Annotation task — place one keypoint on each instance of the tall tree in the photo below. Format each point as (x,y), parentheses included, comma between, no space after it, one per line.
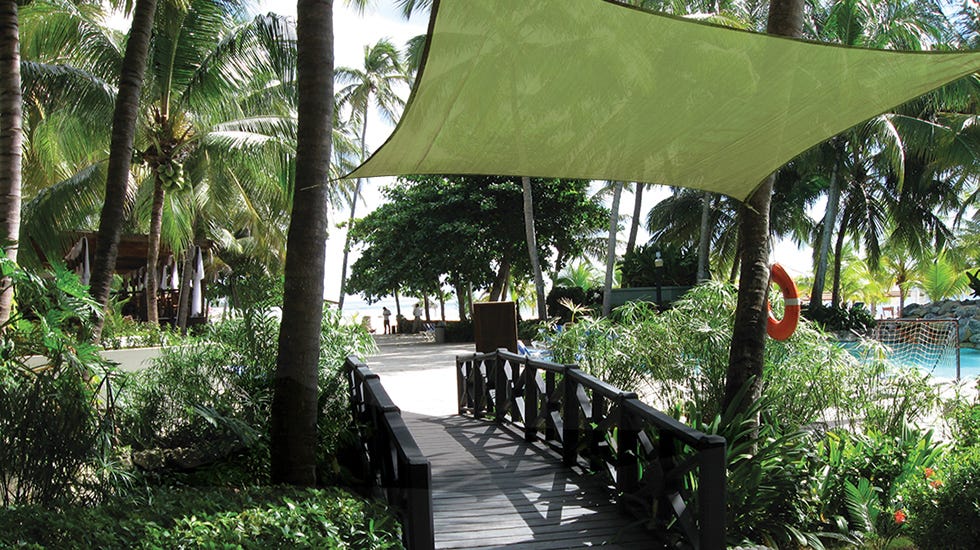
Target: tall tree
(532,247)
(635,222)
(11,122)
(121,152)
(373,86)
(749,332)
(611,249)
(294,403)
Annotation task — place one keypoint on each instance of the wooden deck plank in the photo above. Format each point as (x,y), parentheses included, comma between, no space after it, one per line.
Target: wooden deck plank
(490,489)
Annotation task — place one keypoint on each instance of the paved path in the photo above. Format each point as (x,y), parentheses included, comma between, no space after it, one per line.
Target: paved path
(489,488)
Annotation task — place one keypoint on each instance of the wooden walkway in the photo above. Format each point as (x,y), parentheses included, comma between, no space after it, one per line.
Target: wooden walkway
(490,489)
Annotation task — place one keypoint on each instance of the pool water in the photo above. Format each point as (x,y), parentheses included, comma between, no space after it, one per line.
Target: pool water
(969,364)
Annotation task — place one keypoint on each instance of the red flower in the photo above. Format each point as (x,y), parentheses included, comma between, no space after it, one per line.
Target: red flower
(936,483)
(930,472)
(899,517)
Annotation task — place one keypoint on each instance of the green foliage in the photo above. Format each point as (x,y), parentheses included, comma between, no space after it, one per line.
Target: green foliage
(54,408)
(459,331)
(680,266)
(834,318)
(857,466)
(217,389)
(943,504)
(768,477)
(120,331)
(559,297)
(208,518)
(471,217)
(678,359)
(962,413)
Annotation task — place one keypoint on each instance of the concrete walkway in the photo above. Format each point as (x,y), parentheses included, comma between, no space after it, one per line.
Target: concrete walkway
(418,374)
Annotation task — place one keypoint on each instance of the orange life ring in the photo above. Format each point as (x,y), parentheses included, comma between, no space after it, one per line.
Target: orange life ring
(782,330)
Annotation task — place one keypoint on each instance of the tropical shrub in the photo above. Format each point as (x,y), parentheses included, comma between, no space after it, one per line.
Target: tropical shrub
(839,318)
(213,518)
(768,476)
(55,410)
(560,297)
(942,504)
(680,266)
(459,331)
(963,416)
(858,488)
(678,359)
(216,390)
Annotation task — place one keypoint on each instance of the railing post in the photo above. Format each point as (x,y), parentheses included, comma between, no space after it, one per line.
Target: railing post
(530,375)
(418,508)
(461,400)
(569,418)
(479,388)
(627,464)
(711,492)
(500,385)
(596,436)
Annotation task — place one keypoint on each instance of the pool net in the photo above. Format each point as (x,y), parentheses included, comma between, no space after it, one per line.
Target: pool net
(924,343)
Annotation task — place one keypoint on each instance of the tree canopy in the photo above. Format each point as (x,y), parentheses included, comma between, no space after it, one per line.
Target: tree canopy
(460,229)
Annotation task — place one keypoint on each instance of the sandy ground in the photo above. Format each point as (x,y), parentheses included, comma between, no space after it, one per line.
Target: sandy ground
(417,373)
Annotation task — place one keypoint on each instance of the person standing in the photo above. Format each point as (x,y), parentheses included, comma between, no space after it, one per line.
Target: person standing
(417,313)
(386,313)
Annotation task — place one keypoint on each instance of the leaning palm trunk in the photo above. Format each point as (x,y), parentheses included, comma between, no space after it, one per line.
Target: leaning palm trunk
(10,143)
(611,250)
(749,332)
(829,221)
(532,247)
(121,153)
(353,211)
(704,239)
(153,252)
(294,402)
(637,211)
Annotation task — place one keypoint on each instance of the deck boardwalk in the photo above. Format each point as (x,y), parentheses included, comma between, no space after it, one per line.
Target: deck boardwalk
(490,489)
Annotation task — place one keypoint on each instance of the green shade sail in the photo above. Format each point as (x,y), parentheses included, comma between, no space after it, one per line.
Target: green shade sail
(595,90)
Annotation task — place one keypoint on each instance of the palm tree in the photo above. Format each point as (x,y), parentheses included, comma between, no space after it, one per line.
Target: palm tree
(294,402)
(749,331)
(121,152)
(532,247)
(611,248)
(375,85)
(220,89)
(10,144)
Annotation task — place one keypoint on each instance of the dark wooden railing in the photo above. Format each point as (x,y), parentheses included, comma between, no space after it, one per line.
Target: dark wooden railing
(663,471)
(395,461)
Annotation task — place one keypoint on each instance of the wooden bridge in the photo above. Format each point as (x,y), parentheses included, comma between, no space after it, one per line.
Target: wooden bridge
(534,460)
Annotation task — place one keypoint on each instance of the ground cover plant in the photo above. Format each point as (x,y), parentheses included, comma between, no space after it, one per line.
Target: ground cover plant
(843,441)
(175,455)
(187,517)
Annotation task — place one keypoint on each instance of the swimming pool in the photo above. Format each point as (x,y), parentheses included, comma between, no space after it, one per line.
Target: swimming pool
(969,363)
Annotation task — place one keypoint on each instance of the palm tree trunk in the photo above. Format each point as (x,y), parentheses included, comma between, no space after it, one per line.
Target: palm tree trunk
(748,346)
(838,258)
(829,221)
(496,290)
(461,300)
(398,306)
(637,211)
(11,136)
(611,250)
(121,153)
(153,253)
(532,246)
(353,210)
(704,239)
(425,301)
(294,402)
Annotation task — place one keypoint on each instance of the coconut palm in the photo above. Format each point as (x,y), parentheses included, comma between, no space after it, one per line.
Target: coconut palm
(940,277)
(10,143)
(294,403)
(376,85)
